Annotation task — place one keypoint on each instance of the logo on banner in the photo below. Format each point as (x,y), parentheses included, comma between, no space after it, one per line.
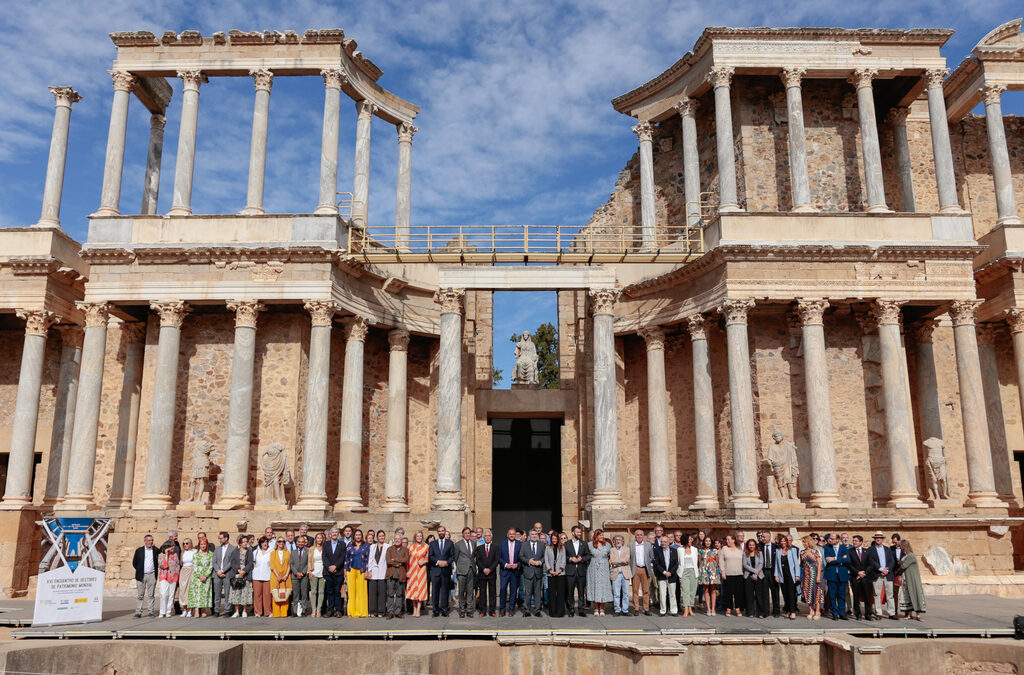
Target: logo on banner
(70,542)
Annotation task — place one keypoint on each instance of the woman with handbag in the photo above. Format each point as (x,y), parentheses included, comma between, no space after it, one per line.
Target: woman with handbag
(200,588)
(261,578)
(240,593)
(280,579)
(168,579)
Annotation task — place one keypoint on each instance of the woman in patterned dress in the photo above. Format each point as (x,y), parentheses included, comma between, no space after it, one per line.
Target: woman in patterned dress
(416,588)
(200,588)
(356,557)
(710,574)
(241,597)
(599,580)
(810,575)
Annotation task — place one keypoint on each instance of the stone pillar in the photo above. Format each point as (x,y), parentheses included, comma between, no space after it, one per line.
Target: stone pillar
(154,158)
(1015,320)
(63,413)
(235,491)
(314,450)
(26,408)
(904,492)
(703,417)
(945,177)
(349,474)
(657,420)
(110,194)
(721,77)
(264,80)
(691,160)
(607,493)
(824,484)
(741,405)
(165,393)
(898,120)
(333,79)
(800,181)
(1006,205)
(184,166)
(644,131)
(361,174)
(982,487)
(928,402)
(82,463)
(449,402)
(873,181)
(54,186)
(395,457)
(403,196)
(123,484)
(989,334)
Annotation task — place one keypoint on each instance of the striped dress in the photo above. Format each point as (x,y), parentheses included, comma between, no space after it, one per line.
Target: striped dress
(416,587)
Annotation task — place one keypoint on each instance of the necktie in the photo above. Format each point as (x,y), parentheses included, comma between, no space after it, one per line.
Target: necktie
(487,550)
(533,550)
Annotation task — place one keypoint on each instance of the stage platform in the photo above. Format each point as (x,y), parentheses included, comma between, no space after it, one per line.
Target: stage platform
(948,616)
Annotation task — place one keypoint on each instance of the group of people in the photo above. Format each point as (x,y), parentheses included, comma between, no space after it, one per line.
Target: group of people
(346,572)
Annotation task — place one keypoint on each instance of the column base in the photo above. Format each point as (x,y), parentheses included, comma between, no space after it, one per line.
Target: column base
(747,501)
(826,500)
(229,503)
(657,505)
(350,504)
(81,502)
(954,208)
(804,208)
(180,211)
(607,499)
(48,223)
(325,210)
(252,211)
(905,501)
(105,212)
(729,208)
(879,208)
(121,503)
(1009,220)
(16,504)
(705,503)
(984,500)
(312,503)
(154,503)
(449,501)
(396,505)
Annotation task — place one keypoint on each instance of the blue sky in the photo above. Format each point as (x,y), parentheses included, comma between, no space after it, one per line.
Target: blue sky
(515,127)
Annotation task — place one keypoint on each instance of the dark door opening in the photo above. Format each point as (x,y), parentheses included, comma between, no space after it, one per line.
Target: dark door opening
(527,474)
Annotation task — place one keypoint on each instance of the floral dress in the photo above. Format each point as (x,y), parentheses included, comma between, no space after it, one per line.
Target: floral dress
(200,593)
(599,581)
(809,586)
(710,572)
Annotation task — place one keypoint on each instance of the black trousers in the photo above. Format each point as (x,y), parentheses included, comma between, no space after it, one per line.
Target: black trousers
(487,592)
(733,596)
(332,592)
(556,595)
(788,588)
(576,583)
(376,596)
(441,589)
(862,592)
(773,589)
(757,596)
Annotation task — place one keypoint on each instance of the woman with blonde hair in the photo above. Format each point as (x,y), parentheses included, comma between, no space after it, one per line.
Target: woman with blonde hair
(316,574)
(261,578)
(185,576)
(416,582)
(730,560)
(810,574)
(280,579)
(599,580)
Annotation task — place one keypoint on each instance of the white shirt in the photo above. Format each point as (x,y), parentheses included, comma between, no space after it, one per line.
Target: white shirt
(186,557)
(638,553)
(667,552)
(880,551)
(147,565)
(318,562)
(261,565)
(687,561)
(222,552)
(377,570)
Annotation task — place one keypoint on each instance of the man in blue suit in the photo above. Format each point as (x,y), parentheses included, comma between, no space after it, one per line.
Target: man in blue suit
(441,555)
(508,560)
(837,575)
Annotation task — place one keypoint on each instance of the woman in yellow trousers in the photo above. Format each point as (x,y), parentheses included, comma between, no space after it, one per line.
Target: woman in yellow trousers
(356,557)
(280,576)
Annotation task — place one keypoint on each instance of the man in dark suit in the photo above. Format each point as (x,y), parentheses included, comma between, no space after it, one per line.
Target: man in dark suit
(880,565)
(487,565)
(531,557)
(145,563)
(441,555)
(837,575)
(666,569)
(508,559)
(859,581)
(334,573)
(577,559)
(771,554)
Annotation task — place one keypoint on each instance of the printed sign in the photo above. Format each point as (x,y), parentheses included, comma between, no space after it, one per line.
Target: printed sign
(71,571)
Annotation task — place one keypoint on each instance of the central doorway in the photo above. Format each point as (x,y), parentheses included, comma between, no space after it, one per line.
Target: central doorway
(526,473)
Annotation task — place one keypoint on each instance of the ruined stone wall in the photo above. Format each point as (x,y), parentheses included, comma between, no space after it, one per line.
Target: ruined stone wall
(974,167)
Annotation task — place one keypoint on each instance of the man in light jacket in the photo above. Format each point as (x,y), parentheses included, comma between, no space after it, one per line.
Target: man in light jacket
(225,564)
(300,574)
(641,563)
(465,571)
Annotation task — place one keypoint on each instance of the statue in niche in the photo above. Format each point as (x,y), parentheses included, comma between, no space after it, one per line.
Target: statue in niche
(935,468)
(525,370)
(274,463)
(781,457)
(200,470)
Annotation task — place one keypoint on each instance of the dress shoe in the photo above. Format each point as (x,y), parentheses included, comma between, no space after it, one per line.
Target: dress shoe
(492,613)
(844,617)
(536,613)
(583,614)
(436,614)
(647,612)
(571,613)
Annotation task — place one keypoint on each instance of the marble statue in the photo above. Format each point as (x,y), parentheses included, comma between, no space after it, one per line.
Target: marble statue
(935,468)
(274,463)
(200,470)
(525,370)
(781,456)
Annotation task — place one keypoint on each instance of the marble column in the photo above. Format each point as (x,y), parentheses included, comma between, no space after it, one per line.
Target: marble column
(873,181)
(929,405)
(990,334)
(657,420)
(263,80)
(113,165)
(26,408)
(154,159)
(333,79)
(235,491)
(165,393)
(54,186)
(1006,204)
(184,166)
(314,449)
(82,463)
(903,492)
(607,493)
(824,483)
(945,176)
(898,121)
(721,77)
(123,484)
(981,480)
(395,457)
(361,174)
(741,405)
(644,131)
(449,402)
(800,181)
(687,109)
(63,413)
(403,196)
(349,468)
(1015,320)
(703,417)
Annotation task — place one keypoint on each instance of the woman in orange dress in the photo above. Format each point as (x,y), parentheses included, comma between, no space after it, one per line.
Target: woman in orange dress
(416,588)
(280,576)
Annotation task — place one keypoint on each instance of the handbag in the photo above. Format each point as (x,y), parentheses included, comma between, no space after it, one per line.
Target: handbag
(281,594)
(238,583)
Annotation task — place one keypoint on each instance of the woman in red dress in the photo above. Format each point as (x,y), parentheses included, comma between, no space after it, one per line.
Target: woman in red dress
(416,587)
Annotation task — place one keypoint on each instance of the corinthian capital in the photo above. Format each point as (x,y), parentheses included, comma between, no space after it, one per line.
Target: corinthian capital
(65,96)
(366,108)
(405,132)
(862,77)
(1015,319)
(962,311)
(321,311)
(811,312)
(721,76)
(356,328)
(70,335)
(735,310)
(644,130)
(172,312)
(134,331)
(686,107)
(791,77)
(398,339)
(262,78)
(37,321)
(935,77)
(602,300)
(697,326)
(96,313)
(333,77)
(924,332)
(450,300)
(992,93)
(157,121)
(654,336)
(123,80)
(246,312)
(898,116)
(887,311)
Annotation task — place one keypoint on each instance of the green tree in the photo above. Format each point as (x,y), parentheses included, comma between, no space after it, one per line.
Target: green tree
(496,376)
(546,340)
